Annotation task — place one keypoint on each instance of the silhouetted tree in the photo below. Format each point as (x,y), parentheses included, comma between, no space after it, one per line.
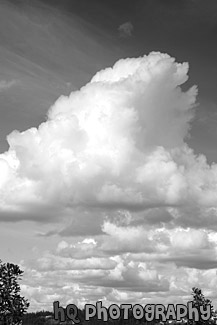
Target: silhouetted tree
(200,300)
(12,304)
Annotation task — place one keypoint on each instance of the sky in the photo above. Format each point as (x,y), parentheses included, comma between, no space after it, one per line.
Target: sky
(108,160)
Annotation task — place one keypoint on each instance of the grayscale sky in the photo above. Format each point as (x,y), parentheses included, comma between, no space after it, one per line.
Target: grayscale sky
(108,164)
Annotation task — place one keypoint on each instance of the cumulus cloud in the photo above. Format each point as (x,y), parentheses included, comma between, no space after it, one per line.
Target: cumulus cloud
(91,268)
(135,205)
(166,273)
(118,142)
(189,239)
(125,29)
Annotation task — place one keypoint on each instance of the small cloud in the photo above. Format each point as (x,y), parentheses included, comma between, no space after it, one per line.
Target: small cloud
(4,85)
(125,30)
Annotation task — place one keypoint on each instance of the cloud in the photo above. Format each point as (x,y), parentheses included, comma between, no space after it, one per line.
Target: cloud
(126,29)
(189,239)
(4,85)
(111,172)
(85,267)
(117,143)
(125,239)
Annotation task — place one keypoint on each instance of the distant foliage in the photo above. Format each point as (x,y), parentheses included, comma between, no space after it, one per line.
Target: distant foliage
(12,304)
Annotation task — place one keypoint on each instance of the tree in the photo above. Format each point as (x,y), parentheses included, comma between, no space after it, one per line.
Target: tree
(200,300)
(12,304)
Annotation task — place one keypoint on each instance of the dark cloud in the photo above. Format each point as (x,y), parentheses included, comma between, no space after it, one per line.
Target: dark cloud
(200,262)
(126,29)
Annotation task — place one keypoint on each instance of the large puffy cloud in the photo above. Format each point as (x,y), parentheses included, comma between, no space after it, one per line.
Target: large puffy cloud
(117,143)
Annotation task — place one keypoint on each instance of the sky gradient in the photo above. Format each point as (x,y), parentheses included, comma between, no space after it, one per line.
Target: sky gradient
(108,165)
